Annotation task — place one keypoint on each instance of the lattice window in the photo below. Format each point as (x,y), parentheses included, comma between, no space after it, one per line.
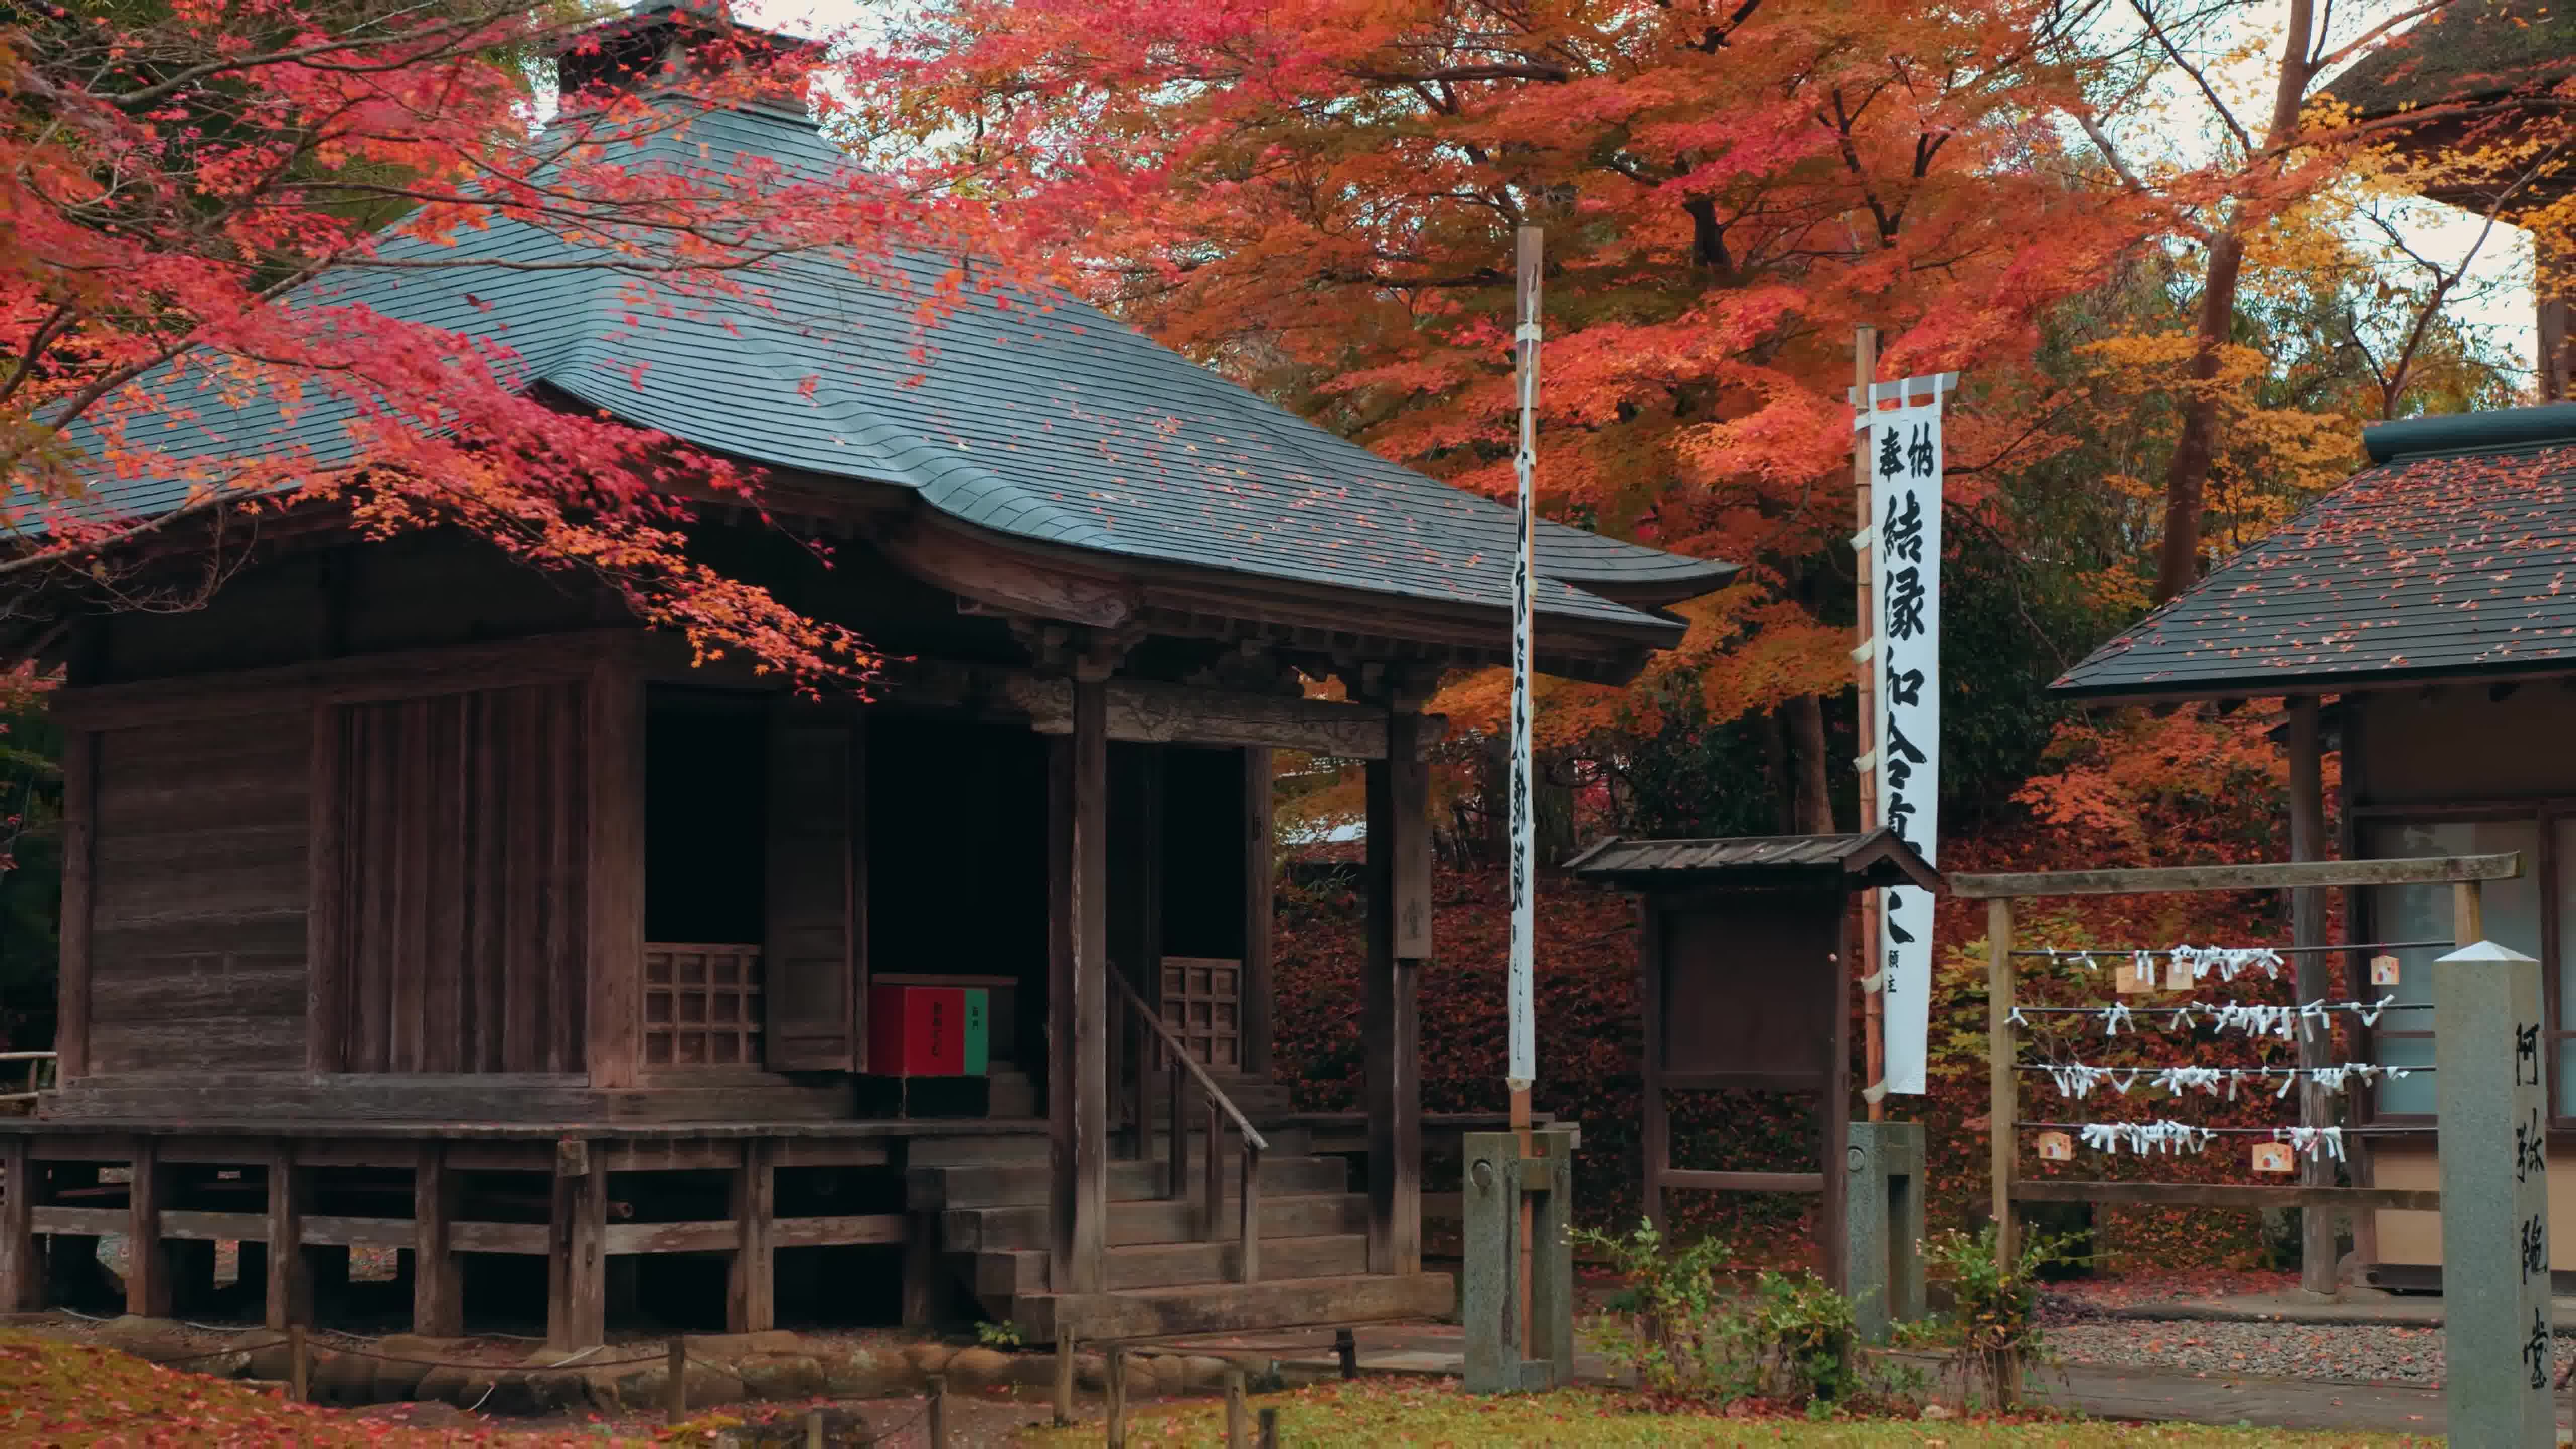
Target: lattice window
(701,1006)
(1203,1005)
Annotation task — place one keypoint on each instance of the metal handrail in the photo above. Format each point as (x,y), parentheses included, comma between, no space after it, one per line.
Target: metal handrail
(1181,1054)
(1183,1067)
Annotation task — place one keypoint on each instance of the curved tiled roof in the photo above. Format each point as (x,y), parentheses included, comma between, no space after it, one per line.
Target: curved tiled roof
(2455,555)
(1059,426)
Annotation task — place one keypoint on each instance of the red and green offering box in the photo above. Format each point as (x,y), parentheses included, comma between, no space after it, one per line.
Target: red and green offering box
(929,1031)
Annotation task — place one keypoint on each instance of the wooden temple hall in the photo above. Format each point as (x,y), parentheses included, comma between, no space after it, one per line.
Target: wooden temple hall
(418,899)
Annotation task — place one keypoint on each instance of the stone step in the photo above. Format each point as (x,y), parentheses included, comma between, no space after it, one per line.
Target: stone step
(1200,1308)
(995,1184)
(1158,1220)
(1019,1273)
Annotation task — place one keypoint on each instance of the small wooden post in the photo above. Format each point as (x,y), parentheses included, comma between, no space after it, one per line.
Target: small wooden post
(675,1380)
(437,1294)
(22,1284)
(1213,1171)
(1117,1398)
(1063,1378)
(147,1268)
(1346,1347)
(751,1281)
(2002,1108)
(920,1269)
(289,1301)
(1248,1210)
(1269,1436)
(2468,913)
(813,1429)
(299,1364)
(577,1261)
(1866,960)
(1237,1423)
(938,1411)
(1176,1168)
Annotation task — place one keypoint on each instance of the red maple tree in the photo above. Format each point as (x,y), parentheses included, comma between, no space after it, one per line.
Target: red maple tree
(212,204)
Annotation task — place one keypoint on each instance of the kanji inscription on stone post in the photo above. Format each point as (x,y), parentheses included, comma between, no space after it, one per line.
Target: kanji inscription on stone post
(2495,1196)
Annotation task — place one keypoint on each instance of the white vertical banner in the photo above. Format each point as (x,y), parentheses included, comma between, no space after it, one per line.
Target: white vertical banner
(1905,589)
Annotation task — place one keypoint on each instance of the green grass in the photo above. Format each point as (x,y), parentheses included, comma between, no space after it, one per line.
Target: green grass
(1374,1413)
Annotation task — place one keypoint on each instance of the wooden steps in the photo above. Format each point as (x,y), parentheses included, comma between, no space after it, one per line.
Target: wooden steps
(969,1230)
(1162,1313)
(1013,1184)
(1022,1272)
(1161,1267)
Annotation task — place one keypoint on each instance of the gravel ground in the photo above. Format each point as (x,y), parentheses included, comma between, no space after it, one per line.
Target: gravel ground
(2343,1352)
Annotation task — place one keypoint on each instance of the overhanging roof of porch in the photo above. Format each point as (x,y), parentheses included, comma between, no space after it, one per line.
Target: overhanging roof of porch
(2452,557)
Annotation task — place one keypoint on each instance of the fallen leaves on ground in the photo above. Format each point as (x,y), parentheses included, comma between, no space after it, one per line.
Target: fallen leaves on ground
(78,1394)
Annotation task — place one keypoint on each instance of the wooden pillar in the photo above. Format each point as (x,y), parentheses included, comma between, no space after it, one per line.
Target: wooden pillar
(71,1000)
(751,1280)
(2002,1101)
(288,1289)
(1078,995)
(1399,938)
(147,1269)
(1258,908)
(326,898)
(2315,975)
(614,919)
(1833,1260)
(1657,1141)
(437,1290)
(22,1278)
(576,1250)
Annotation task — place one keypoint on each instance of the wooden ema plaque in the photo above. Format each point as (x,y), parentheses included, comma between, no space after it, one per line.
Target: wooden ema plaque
(2136,974)
(2056,1147)
(2274,1157)
(2383,970)
(2178,975)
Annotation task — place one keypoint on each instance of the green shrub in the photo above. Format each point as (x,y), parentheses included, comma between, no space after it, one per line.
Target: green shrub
(1994,1322)
(1678,1330)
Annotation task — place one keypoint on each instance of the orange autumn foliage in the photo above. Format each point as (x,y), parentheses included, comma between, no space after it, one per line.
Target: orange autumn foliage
(1319,196)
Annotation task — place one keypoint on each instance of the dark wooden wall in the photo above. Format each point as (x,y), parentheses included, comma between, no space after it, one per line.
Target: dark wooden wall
(459,906)
(197,925)
(2458,743)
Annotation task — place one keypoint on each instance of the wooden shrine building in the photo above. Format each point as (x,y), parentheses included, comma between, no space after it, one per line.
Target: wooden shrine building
(2416,620)
(415,898)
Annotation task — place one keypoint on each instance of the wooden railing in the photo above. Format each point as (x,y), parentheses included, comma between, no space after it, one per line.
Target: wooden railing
(37,1062)
(1184,1068)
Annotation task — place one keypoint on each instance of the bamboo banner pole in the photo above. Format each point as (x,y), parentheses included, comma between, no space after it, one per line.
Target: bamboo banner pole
(1865,742)
(1523,1067)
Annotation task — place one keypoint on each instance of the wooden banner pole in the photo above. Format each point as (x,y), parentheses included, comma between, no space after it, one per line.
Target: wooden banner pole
(1522,1047)
(1864,629)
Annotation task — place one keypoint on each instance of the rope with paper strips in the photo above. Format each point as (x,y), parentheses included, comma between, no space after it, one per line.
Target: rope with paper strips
(2253,1023)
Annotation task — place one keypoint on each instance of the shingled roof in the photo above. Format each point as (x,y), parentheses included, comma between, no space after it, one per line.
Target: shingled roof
(2453,556)
(1061,428)
(2472,50)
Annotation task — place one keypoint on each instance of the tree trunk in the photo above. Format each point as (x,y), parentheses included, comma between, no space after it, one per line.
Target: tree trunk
(1784,785)
(2187,475)
(1807,716)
